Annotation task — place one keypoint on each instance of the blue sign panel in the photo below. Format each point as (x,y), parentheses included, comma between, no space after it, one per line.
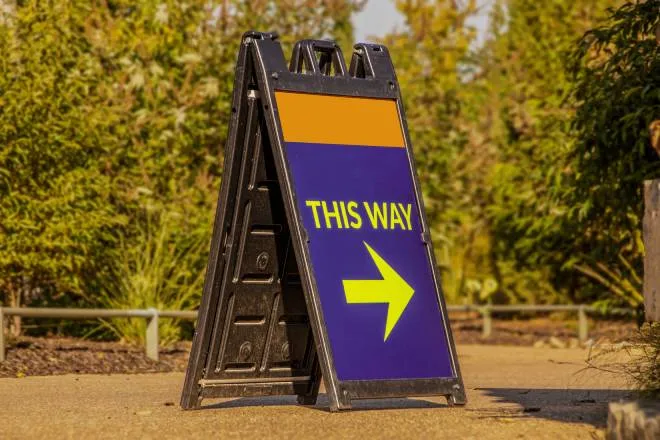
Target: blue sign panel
(372,271)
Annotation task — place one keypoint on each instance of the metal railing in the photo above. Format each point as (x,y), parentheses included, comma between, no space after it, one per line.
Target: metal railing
(152,316)
(487,311)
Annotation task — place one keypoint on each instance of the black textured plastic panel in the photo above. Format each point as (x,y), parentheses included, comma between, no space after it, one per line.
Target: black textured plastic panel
(261,330)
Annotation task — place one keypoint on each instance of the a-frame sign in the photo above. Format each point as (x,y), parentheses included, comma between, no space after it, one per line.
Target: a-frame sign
(321,262)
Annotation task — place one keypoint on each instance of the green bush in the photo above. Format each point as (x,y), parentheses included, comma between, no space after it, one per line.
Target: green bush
(531,149)
(108,109)
(160,267)
(617,73)
(58,202)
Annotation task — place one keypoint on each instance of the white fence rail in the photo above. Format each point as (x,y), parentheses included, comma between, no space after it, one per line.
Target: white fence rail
(152,316)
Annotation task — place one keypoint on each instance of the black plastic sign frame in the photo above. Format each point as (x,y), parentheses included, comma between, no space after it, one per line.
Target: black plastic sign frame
(261,328)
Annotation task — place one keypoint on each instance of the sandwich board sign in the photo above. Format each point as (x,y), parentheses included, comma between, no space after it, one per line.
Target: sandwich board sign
(321,262)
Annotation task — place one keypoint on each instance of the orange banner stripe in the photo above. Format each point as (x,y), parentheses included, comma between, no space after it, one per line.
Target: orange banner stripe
(327,119)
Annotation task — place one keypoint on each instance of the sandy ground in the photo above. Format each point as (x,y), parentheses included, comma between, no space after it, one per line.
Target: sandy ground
(513,392)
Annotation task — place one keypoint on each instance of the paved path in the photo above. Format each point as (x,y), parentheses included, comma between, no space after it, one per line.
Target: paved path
(513,392)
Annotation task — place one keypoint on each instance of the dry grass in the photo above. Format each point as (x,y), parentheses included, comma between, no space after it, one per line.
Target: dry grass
(642,359)
(645,368)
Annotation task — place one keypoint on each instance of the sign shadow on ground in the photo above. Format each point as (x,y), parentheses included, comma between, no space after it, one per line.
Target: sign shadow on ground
(322,403)
(564,405)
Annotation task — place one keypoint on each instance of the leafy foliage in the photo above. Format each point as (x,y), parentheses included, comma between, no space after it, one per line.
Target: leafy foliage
(617,70)
(57,202)
(528,118)
(109,110)
(531,148)
(572,147)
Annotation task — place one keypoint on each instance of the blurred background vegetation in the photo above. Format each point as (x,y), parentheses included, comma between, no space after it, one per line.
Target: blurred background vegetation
(531,147)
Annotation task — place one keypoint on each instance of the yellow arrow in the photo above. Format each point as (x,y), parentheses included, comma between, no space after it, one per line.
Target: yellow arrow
(392,289)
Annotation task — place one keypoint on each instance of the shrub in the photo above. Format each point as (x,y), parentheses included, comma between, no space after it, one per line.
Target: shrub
(108,106)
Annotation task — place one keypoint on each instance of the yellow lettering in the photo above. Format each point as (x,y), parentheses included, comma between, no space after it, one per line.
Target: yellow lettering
(314,204)
(356,222)
(377,214)
(344,216)
(348,214)
(395,218)
(406,213)
(331,214)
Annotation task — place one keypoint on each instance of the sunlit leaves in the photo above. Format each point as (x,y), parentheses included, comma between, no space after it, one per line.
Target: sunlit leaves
(114,110)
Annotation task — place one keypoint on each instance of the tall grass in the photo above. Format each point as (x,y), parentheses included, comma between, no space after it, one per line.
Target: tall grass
(159,267)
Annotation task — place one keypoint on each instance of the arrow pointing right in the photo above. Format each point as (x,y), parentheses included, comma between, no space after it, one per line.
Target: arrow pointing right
(392,289)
